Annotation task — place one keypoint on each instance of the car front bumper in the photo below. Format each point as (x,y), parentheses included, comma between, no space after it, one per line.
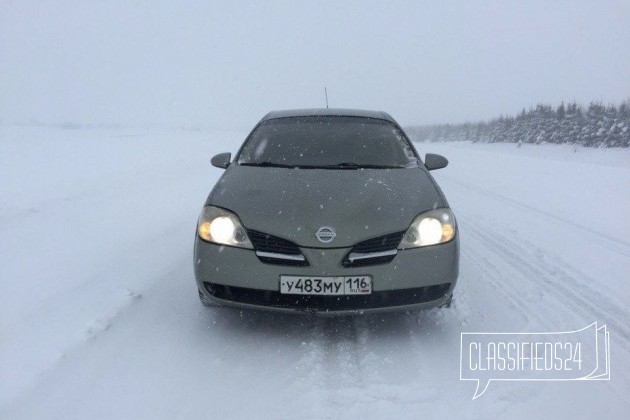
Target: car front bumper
(418,278)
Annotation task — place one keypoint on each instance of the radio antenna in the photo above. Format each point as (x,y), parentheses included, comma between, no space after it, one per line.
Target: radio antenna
(326,94)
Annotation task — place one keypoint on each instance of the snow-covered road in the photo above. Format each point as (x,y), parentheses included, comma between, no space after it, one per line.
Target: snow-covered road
(100,317)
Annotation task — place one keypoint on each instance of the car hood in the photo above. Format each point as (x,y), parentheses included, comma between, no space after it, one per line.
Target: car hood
(294,203)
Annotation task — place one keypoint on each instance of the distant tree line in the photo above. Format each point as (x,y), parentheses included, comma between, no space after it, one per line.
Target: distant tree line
(594,126)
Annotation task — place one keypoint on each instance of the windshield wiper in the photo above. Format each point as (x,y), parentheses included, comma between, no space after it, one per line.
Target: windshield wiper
(353,165)
(341,165)
(268,164)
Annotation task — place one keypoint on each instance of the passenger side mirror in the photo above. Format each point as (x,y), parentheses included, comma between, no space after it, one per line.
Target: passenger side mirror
(222,160)
(433,161)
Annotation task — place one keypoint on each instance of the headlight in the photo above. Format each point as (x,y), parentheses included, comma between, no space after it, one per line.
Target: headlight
(429,228)
(222,227)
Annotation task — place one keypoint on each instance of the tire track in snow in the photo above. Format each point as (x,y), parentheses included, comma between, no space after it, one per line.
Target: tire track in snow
(332,371)
(608,242)
(557,282)
(310,373)
(552,280)
(342,363)
(361,354)
(489,271)
(345,360)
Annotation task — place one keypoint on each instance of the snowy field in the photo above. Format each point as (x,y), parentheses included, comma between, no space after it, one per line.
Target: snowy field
(99,315)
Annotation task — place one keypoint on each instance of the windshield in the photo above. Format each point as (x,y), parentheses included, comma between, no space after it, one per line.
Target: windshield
(328,142)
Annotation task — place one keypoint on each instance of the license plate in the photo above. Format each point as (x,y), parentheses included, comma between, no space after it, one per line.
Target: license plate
(327,286)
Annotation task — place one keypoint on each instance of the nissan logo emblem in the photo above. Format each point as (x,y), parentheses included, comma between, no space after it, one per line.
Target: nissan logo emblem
(325,234)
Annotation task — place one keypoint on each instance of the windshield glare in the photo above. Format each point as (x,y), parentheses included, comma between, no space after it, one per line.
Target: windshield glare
(328,142)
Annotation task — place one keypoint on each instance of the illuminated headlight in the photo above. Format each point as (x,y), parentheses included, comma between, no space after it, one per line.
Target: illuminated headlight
(429,228)
(222,227)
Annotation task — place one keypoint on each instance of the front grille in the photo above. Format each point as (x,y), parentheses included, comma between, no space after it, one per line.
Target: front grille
(264,242)
(381,299)
(379,244)
(382,243)
(268,243)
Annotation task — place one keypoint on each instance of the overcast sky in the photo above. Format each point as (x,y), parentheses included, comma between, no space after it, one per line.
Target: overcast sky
(225,64)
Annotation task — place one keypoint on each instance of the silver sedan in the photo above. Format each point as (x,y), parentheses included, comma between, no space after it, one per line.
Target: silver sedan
(327,211)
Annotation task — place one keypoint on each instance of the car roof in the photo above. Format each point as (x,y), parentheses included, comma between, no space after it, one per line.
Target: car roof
(336,112)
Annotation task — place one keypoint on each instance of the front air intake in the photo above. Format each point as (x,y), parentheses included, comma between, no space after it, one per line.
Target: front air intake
(273,250)
(379,250)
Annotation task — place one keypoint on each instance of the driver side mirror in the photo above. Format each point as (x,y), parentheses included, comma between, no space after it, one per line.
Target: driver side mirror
(222,160)
(433,161)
